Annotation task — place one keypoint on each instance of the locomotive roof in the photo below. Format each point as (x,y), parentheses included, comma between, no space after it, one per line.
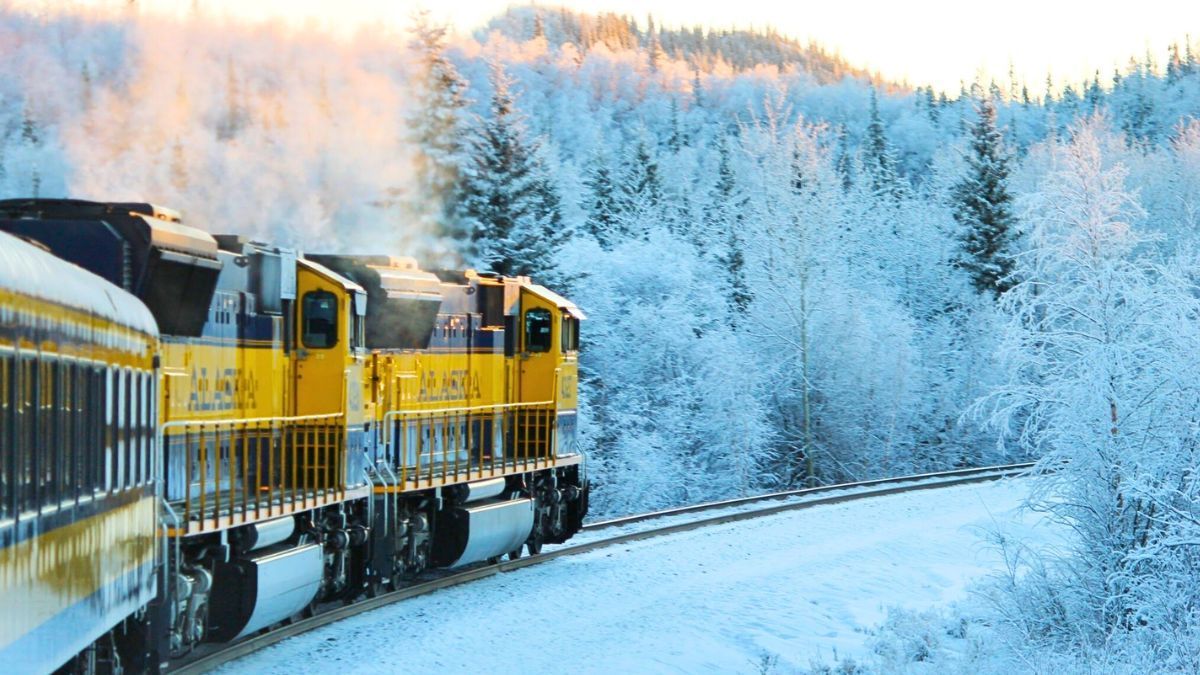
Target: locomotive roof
(558,301)
(28,270)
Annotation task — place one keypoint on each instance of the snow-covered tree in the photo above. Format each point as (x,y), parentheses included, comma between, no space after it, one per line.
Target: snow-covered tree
(878,156)
(1102,354)
(600,201)
(640,189)
(724,222)
(983,207)
(508,200)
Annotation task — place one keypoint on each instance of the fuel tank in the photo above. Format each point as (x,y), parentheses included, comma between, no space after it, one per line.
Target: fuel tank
(262,589)
(482,530)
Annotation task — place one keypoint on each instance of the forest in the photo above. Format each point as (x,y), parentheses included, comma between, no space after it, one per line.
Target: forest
(796,273)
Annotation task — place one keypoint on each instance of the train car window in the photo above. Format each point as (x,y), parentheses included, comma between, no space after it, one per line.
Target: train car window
(66,416)
(139,425)
(110,438)
(6,430)
(537,330)
(53,472)
(25,474)
(97,430)
(147,426)
(151,426)
(43,446)
(75,436)
(319,320)
(133,430)
(124,419)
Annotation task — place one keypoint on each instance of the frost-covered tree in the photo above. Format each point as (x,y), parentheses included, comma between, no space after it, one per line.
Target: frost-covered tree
(640,189)
(1102,354)
(600,202)
(879,158)
(508,200)
(724,222)
(983,207)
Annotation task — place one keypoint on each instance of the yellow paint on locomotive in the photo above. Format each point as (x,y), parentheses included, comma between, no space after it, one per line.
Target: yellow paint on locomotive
(329,379)
(434,380)
(45,575)
(204,381)
(553,373)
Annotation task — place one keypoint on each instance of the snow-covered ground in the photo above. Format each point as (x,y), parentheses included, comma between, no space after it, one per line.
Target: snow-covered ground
(790,590)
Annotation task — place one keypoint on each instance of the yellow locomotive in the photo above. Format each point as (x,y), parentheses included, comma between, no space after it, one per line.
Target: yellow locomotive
(326,425)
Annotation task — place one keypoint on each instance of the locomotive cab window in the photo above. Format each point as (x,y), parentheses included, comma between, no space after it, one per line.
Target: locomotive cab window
(319,322)
(570,334)
(358,332)
(537,330)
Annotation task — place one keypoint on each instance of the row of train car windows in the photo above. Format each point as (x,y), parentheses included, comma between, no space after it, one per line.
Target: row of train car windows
(123,339)
(70,429)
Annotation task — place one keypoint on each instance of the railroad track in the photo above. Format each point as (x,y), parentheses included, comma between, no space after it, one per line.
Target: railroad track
(730,510)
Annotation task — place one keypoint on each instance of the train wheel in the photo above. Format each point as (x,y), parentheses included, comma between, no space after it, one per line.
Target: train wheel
(535,543)
(379,587)
(513,555)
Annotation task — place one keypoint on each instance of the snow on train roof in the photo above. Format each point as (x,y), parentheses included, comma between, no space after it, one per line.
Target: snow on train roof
(28,270)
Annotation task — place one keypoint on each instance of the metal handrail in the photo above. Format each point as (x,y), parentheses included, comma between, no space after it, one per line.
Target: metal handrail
(489,406)
(452,442)
(245,420)
(310,450)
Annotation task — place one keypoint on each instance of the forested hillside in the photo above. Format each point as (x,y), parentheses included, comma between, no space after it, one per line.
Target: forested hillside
(795,274)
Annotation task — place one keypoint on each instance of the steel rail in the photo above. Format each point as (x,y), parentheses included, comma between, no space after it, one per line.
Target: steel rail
(209,657)
(802,492)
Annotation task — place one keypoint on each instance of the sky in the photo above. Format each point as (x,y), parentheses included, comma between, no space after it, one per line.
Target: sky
(938,42)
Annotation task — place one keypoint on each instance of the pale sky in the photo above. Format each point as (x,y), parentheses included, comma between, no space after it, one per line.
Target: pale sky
(937,42)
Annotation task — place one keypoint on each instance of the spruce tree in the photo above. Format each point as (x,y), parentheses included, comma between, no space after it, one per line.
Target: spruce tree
(234,118)
(983,207)
(726,206)
(675,135)
(931,105)
(640,193)
(844,159)
(879,160)
(600,203)
(509,200)
(539,28)
(1175,68)
(31,136)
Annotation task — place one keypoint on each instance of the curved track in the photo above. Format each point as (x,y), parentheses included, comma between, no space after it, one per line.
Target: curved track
(208,658)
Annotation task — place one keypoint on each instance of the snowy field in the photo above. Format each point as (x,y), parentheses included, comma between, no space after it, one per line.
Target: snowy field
(797,588)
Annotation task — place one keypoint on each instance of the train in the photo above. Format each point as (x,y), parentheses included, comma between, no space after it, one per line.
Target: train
(204,436)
